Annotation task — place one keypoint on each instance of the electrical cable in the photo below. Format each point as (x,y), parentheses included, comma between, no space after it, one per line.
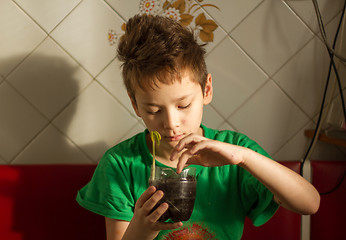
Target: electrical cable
(331,65)
(338,184)
(318,126)
(330,50)
(324,36)
(327,108)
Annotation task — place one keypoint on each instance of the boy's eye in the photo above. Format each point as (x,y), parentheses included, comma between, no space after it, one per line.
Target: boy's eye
(185,106)
(153,112)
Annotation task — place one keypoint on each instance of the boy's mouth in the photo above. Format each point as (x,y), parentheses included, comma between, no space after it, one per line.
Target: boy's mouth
(174,138)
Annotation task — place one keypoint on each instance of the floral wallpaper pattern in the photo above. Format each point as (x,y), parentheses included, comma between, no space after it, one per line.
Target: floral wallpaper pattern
(184,11)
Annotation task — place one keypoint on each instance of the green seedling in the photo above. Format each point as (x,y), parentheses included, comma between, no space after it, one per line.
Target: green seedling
(155,138)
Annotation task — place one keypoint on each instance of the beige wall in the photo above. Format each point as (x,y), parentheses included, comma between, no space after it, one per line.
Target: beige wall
(62,99)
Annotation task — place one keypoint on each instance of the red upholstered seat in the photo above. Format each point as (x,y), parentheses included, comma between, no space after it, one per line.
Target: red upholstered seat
(329,221)
(284,225)
(37,202)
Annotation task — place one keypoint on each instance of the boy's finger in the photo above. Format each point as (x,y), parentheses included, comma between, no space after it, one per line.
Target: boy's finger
(169,226)
(159,211)
(152,201)
(178,148)
(182,161)
(145,196)
(185,143)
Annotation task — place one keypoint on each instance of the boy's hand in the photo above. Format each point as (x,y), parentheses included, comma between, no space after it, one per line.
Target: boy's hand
(144,224)
(196,149)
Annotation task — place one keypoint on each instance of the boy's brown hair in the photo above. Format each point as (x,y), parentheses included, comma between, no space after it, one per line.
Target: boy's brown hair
(156,48)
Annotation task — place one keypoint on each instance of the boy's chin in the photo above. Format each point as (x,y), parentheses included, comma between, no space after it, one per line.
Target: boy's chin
(171,144)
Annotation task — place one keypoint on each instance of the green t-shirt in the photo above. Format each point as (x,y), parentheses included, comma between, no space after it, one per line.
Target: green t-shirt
(225,195)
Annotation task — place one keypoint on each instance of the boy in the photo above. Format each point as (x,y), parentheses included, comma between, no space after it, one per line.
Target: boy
(166,78)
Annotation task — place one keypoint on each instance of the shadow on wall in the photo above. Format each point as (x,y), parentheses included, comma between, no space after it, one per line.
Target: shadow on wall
(49,84)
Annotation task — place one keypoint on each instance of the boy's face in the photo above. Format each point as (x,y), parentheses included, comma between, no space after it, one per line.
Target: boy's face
(174,110)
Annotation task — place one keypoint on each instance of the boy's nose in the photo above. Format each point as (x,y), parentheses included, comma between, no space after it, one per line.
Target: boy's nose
(171,120)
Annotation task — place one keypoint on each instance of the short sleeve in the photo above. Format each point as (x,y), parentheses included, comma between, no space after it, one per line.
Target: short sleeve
(257,199)
(109,192)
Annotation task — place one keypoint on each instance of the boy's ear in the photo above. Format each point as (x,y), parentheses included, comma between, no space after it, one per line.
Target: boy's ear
(208,90)
(134,104)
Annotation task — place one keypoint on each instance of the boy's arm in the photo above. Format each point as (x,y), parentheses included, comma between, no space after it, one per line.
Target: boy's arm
(290,189)
(115,229)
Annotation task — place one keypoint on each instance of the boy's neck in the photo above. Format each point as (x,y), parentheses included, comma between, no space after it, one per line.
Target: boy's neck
(167,162)
(162,155)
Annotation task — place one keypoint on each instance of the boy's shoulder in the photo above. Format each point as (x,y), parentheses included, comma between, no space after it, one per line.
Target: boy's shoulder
(233,137)
(127,153)
(130,145)
(225,135)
